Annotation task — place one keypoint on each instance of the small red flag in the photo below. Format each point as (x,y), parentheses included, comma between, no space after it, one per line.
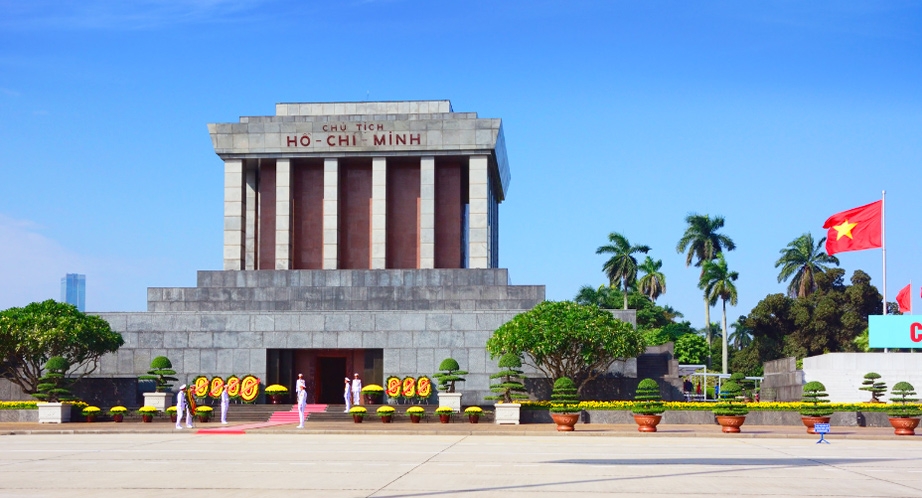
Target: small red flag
(904,300)
(855,229)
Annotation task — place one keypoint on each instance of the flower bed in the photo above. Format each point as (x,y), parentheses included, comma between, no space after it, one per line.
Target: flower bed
(765,406)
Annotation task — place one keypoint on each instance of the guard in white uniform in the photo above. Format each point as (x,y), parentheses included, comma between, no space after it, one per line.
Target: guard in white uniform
(347,395)
(357,390)
(301,384)
(181,406)
(302,401)
(225,404)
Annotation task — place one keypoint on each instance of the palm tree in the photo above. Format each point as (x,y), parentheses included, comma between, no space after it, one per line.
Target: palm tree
(653,282)
(621,268)
(671,313)
(702,242)
(742,335)
(717,282)
(803,260)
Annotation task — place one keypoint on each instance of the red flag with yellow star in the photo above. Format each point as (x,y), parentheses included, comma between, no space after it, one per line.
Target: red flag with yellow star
(855,229)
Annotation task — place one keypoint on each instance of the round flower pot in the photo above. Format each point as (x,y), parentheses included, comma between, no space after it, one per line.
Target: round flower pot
(809,421)
(565,421)
(275,398)
(91,418)
(386,418)
(203,418)
(473,418)
(357,419)
(147,418)
(118,417)
(173,418)
(647,423)
(904,426)
(414,419)
(730,423)
(443,418)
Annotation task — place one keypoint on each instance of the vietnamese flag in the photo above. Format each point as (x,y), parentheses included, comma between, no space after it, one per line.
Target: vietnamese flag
(904,300)
(855,229)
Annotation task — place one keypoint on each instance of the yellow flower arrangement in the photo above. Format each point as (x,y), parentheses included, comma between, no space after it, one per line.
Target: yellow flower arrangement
(203,410)
(473,410)
(372,389)
(115,410)
(171,410)
(444,410)
(90,410)
(415,410)
(147,410)
(276,389)
(385,411)
(18,405)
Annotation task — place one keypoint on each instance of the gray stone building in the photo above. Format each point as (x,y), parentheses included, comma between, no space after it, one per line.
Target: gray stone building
(358,237)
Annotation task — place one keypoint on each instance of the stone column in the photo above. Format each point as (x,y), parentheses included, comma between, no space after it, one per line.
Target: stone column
(252,167)
(330,215)
(478,255)
(233,214)
(282,214)
(427,212)
(378,213)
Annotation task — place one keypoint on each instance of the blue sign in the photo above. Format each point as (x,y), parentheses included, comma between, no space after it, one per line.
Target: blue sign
(895,331)
(821,428)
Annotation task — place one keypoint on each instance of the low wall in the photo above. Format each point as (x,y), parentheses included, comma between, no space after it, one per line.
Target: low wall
(842,373)
(19,415)
(839,419)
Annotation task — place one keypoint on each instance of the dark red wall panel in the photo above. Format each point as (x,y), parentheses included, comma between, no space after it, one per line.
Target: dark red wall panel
(266,201)
(307,214)
(403,213)
(354,213)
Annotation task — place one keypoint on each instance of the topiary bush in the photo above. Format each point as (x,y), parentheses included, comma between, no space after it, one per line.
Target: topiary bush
(510,387)
(815,402)
(564,398)
(902,404)
(161,372)
(54,387)
(876,387)
(730,404)
(649,400)
(450,373)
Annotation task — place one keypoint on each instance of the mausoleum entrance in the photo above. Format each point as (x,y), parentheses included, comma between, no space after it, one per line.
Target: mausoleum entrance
(324,370)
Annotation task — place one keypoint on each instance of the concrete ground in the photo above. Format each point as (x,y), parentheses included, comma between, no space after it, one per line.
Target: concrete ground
(441,460)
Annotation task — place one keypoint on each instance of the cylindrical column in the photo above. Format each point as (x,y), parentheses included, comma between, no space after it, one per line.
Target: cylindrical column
(330,213)
(251,167)
(478,226)
(233,214)
(378,213)
(427,212)
(283,214)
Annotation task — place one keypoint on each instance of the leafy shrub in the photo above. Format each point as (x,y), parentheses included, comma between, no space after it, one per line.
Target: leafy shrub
(900,399)
(161,372)
(872,384)
(564,398)
(510,387)
(54,386)
(730,404)
(815,402)
(648,398)
(450,372)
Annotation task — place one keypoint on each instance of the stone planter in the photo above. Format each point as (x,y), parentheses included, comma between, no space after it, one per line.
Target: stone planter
(357,419)
(414,419)
(809,421)
(160,401)
(647,423)
(53,413)
(443,418)
(508,413)
(730,423)
(904,426)
(565,421)
(451,400)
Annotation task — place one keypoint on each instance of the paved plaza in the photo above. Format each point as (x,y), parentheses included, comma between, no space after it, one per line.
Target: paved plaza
(136,465)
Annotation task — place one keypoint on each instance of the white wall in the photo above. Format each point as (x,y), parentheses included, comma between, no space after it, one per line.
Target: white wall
(842,373)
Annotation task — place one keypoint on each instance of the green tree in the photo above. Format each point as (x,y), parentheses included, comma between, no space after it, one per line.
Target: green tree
(701,242)
(566,339)
(31,335)
(691,349)
(717,282)
(801,261)
(621,268)
(741,335)
(653,282)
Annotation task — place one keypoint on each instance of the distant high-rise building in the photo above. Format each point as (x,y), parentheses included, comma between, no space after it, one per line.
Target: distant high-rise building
(73,290)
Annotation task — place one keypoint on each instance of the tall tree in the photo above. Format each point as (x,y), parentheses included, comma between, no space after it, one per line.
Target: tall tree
(717,282)
(741,335)
(701,242)
(653,282)
(803,260)
(621,268)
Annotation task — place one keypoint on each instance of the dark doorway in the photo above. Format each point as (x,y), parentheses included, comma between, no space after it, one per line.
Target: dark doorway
(331,374)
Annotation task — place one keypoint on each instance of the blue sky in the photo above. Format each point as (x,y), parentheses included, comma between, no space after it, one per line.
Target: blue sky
(619,116)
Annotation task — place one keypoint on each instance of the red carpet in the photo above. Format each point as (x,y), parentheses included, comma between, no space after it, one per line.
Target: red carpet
(277,418)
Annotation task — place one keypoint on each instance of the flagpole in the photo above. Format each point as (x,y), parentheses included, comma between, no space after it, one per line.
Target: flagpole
(883,242)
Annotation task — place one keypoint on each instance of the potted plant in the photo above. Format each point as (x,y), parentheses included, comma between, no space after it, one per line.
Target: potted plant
(386,412)
(171,411)
(648,406)
(118,413)
(904,411)
(147,413)
(90,413)
(508,390)
(415,413)
(53,388)
(450,373)
(444,413)
(473,414)
(275,393)
(203,413)
(372,393)
(358,413)
(564,404)
(815,407)
(161,373)
(730,410)
(876,387)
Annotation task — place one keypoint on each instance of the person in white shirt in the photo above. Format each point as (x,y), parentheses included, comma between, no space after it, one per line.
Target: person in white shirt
(347,395)
(301,384)
(180,405)
(225,404)
(302,401)
(357,390)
